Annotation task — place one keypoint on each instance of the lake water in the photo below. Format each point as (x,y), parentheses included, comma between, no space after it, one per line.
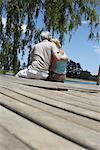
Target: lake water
(80,82)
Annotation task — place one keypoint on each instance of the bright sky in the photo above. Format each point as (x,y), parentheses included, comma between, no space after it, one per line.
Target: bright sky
(79,49)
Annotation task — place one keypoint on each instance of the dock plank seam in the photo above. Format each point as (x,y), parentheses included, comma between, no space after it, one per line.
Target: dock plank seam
(64,109)
(44,126)
(27,145)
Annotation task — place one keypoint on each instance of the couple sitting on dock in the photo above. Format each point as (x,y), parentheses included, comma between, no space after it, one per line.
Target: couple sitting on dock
(47,59)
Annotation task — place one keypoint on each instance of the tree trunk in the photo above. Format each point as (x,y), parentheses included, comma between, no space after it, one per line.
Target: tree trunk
(14,63)
(98,78)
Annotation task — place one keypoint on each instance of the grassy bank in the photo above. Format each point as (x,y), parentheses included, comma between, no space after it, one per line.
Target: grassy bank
(8,72)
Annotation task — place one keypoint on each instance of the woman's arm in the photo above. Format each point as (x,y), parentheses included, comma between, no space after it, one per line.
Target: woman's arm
(55,52)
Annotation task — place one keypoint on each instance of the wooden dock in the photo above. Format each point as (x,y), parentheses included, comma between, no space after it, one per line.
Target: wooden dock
(43,115)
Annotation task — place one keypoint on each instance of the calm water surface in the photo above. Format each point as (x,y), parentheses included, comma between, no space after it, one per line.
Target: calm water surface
(81,82)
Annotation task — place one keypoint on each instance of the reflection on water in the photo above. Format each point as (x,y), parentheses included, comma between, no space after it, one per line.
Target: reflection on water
(81,82)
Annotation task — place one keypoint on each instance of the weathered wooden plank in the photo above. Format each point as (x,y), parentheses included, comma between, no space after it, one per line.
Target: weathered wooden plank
(9,142)
(58,96)
(67,98)
(74,93)
(78,97)
(58,104)
(89,96)
(36,83)
(33,135)
(72,97)
(76,133)
(51,85)
(83,121)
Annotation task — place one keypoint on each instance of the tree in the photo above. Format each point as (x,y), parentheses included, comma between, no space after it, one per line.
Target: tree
(85,75)
(59,16)
(73,69)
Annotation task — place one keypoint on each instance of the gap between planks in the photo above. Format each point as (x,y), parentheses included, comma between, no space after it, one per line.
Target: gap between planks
(61,113)
(73,132)
(33,135)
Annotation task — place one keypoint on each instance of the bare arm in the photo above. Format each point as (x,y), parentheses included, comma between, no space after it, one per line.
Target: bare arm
(55,52)
(58,54)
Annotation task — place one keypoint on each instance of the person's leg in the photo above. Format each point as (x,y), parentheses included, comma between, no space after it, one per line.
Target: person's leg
(26,73)
(36,75)
(31,74)
(22,73)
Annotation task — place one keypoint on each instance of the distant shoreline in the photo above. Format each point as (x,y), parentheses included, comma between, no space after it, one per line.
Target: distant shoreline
(82,80)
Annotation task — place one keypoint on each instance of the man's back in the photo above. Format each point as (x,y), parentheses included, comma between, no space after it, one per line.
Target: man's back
(41,56)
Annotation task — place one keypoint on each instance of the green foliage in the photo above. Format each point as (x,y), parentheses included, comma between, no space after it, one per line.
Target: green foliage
(59,16)
(73,69)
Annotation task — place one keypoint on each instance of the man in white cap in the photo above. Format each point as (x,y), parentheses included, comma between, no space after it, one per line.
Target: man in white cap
(40,58)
